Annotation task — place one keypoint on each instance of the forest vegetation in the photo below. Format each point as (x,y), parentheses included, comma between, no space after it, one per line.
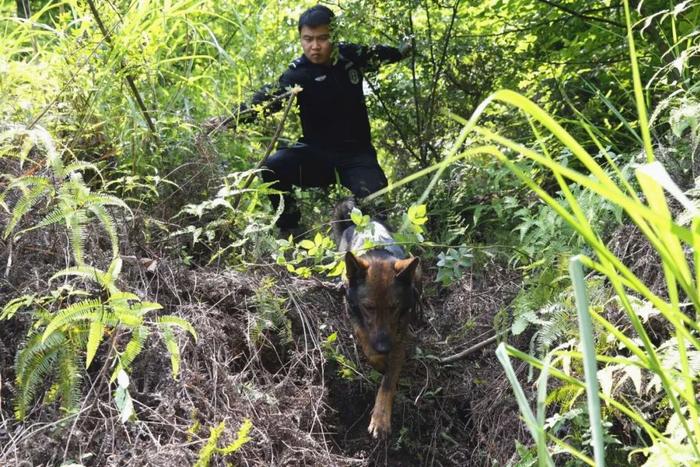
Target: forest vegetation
(542,155)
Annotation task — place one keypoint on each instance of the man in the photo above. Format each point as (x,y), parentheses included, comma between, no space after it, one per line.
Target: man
(334,120)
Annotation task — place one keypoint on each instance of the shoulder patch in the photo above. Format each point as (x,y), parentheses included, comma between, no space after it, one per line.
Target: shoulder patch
(354,76)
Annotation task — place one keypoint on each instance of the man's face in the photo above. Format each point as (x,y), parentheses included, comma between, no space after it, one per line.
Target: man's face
(316,43)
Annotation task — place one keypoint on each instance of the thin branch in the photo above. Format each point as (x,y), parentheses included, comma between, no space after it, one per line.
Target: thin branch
(292,94)
(416,88)
(436,77)
(129,78)
(573,12)
(68,83)
(392,120)
(472,349)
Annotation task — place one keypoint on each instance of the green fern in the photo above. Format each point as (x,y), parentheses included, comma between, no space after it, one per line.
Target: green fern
(66,387)
(165,324)
(71,202)
(211,448)
(131,351)
(565,396)
(36,363)
(32,193)
(173,349)
(13,306)
(110,227)
(60,339)
(83,310)
(63,335)
(95,334)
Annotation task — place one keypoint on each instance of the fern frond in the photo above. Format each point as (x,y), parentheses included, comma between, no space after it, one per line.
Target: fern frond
(23,206)
(242,437)
(558,323)
(208,450)
(211,448)
(101,199)
(14,305)
(173,348)
(74,191)
(177,321)
(23,182)
(68,379)
(32,365)
(107,222)
(133,347)
(127,317)
(122,298)
(79,166)
(41,137)
(86,309)
(76,227)
(142,308)
(115,268)
(58,215)
(95,335)
(84,271)
(565,396)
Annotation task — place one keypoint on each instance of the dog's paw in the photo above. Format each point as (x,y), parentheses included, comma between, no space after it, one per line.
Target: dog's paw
(380,425)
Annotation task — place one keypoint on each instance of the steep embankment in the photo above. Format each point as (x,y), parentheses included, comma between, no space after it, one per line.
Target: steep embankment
(263,353)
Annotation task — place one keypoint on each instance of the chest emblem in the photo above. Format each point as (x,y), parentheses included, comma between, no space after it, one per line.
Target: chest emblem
(320,78)
(354,76)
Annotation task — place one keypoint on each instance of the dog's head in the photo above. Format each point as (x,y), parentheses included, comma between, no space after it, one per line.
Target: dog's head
(381,292)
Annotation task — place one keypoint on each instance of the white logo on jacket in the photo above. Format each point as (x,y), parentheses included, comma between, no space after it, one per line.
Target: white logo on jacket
(354,76)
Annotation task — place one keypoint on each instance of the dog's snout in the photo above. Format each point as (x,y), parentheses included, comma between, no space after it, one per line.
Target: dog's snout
(382,344)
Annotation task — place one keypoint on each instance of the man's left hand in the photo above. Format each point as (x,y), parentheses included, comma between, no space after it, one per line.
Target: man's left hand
(405,47)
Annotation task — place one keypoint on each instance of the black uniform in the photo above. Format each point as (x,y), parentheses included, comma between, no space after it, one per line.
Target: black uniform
(335,125)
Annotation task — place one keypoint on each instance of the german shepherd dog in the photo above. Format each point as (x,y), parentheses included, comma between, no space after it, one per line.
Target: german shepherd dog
(382,291)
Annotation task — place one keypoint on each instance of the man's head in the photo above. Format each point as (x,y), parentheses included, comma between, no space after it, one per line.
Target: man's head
(315,34)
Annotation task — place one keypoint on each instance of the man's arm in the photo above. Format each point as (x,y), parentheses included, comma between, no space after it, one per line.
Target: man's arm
(370,58)
(269,96)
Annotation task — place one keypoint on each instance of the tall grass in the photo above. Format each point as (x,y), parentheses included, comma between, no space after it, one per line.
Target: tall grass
(676,439)
(136,90)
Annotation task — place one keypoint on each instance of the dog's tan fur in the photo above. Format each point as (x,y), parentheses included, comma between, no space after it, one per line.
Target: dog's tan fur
(382,294)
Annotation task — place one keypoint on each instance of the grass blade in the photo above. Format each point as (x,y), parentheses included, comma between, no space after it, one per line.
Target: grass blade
(590,366)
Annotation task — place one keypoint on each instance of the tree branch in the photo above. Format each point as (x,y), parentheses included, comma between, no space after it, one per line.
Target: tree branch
(129,79)
(573,12)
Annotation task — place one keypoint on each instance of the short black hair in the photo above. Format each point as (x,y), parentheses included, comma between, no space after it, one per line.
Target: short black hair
(316,16)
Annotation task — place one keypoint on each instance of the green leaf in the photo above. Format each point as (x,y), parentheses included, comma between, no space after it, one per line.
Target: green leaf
(14,305)
(306,244)
(85,309)
(177,321)
(417,214)
(124,404)
(94,338)
(173,349)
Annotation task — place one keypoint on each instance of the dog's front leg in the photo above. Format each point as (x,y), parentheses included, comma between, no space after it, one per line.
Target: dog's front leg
(380,425)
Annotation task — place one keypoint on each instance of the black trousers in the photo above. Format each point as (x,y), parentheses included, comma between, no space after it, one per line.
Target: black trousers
(306,165)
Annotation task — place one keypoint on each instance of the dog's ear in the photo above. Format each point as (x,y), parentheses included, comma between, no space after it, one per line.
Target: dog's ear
(355,268)
(407,270)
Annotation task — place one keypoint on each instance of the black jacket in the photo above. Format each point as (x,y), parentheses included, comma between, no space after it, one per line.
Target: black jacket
(332,105)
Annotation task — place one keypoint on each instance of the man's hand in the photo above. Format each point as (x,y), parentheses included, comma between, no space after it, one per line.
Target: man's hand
(405,47)
(213,124)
